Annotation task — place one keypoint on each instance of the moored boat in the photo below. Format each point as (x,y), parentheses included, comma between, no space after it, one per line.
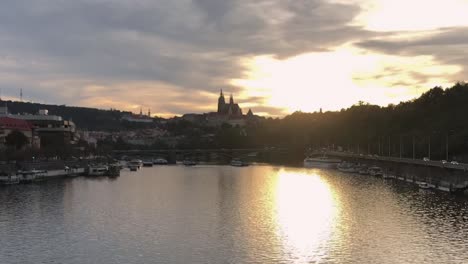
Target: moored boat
(189,162)
(8,179)
(135,163)
(160,161)
(148,163)
(97,170)
(347,167)
(238,163)
(321,162)
(31,175)
(375,171)
(363,170)
(424,185)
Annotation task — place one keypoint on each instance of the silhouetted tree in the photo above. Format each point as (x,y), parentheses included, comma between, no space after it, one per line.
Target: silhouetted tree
(16,139)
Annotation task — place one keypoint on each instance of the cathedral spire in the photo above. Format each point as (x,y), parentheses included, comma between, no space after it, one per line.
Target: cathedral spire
(231,99)
(221,102)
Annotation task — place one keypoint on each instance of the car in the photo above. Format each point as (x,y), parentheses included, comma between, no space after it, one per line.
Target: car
(443,161)
(454,162)
(426,159)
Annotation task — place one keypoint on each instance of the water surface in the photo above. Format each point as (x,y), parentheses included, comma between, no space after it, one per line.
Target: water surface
(222,214)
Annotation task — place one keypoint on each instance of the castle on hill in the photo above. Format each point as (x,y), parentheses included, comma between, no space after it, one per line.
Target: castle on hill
(231,109)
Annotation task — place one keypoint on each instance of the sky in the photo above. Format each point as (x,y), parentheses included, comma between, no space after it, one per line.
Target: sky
(275,57)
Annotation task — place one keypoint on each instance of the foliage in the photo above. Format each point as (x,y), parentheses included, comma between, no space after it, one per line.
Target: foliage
(16,139)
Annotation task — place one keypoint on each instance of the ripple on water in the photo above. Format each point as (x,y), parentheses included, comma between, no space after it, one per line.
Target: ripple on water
(220,214)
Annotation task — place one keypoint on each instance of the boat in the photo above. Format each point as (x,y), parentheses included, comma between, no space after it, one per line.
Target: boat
(148,163)
(31,175)
(363,170)
(135,163)
(7,179)
(133,167)
(160,161)
(347,167)
(97,170)
(239,163)
(322,162)
(423,185)
(189,162)
(375,171)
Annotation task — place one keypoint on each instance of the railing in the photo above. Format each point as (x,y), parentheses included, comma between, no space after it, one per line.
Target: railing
(431,163)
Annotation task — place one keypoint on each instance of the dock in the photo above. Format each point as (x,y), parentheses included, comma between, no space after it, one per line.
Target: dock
(443,176)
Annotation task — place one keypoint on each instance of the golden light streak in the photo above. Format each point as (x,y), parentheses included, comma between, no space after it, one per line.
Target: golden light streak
(306,214)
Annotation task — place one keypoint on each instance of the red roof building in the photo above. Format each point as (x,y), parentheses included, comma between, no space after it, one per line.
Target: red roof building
(14,124)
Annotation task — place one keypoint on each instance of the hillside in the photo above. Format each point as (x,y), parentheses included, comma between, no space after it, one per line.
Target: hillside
(85,118)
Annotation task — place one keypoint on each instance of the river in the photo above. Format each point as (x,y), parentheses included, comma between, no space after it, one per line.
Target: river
(223,214)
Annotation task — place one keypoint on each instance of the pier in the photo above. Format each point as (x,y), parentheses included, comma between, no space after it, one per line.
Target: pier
(443,176)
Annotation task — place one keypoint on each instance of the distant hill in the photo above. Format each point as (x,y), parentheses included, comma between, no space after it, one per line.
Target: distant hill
(84,118)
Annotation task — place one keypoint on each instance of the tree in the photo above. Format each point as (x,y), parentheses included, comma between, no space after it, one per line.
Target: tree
(16,139)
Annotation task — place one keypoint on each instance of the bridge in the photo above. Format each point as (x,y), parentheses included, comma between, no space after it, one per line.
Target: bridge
(172,154)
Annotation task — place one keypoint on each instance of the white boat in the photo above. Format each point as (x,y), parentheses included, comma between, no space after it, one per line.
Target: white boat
(135,163)
(9,179)
(99,170)
(238,163)
(375,171)
(31,175)
(189,162)
(424,185)
(160,161)
(322,162)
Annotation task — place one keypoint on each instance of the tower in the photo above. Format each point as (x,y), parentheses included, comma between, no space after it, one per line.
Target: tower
(221,102)
(231,100)
(149,112)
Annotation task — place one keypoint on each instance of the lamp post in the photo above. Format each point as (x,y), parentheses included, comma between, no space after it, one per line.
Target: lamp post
(401,146)
(429,148)
(389,147)
(446,147)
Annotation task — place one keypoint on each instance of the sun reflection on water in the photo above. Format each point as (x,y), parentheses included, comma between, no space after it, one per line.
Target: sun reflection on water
(306,212)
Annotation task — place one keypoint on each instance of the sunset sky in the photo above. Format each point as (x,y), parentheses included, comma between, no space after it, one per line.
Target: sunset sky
(276,57)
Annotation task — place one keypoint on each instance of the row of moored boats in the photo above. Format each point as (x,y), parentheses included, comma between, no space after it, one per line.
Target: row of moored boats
(343,166)
(137,164)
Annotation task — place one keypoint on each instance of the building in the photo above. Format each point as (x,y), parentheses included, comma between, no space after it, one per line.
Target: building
(141,118)
(8,125)
(231,110)
(51,129)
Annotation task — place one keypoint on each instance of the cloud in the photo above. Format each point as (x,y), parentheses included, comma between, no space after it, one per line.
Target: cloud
(174,56)
(56,49)
(446,46)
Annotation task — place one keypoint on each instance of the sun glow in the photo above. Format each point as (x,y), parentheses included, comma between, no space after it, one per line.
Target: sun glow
(403,15)
(306,214)
(338,79)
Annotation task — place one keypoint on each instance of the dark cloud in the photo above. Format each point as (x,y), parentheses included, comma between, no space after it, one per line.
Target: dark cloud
(194,45)
(448,46)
